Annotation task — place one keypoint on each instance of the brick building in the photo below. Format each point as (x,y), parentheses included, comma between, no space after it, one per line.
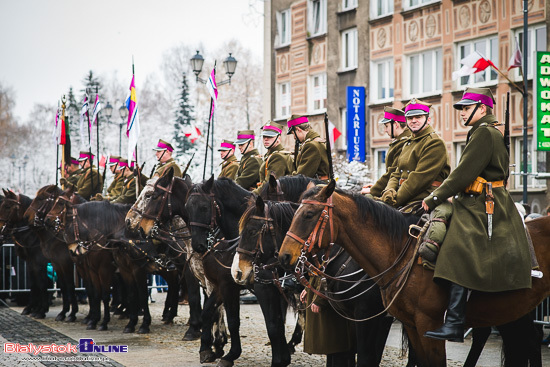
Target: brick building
(398,50)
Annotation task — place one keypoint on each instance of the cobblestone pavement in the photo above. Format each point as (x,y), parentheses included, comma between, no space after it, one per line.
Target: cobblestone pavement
(164,346)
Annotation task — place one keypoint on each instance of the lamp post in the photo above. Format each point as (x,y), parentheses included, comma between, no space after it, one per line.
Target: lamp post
(12,159)
(230,64)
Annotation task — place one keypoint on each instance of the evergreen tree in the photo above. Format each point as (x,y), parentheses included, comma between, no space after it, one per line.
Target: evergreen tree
(73,111)
(184,118)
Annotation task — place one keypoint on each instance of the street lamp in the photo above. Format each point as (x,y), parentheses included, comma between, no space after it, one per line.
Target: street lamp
(230,64)
(123,111)
(12,159)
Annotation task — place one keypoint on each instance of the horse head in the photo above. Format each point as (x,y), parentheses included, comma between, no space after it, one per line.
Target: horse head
(312,226)
(56,216)
(9,211)
(135,214)
(203,214)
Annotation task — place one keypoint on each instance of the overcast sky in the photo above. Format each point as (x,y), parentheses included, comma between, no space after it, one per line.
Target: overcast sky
(49,45)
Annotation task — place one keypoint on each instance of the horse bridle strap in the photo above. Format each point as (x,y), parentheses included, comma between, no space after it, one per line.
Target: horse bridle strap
(316,236)
(165,199)
(215,211)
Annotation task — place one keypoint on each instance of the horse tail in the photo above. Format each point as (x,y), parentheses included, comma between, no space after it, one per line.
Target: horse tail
(404,341)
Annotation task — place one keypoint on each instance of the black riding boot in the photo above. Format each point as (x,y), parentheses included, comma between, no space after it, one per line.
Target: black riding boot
(453,328)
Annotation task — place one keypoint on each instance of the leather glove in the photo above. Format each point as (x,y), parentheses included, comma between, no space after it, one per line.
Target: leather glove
(97,197)
(63,181)
(389,196)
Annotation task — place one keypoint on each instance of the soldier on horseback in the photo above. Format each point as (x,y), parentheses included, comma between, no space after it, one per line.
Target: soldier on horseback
(248,173)
(115,188)
(423,163)
(73,172)
(164,152)
(128,193)
(230,165)
(395,125)
(310,158)
(485,248)
(90,182)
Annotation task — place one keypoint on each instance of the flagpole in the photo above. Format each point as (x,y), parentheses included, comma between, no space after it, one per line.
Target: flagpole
(506,77)
(525,55)
(90,144)
(97,141)
(137,177)
(207,137)
(212,146)
(63,104)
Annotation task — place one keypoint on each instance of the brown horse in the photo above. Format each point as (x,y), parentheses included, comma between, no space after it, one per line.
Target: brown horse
(376,236)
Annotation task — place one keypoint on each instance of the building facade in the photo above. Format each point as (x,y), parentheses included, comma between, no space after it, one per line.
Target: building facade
(398,50)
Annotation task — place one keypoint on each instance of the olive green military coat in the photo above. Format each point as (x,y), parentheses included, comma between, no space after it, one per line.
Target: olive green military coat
(128,194)
(229,168)
(422,161)
(164,167)
(72,180)
(115,188)
(391,162)
(84,184)
(248,174)
(276,160)
(467,256)
(326,332)
(312,158)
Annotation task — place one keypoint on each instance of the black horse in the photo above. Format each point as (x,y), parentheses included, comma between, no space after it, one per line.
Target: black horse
(54,249)
(263,228)
(14,227)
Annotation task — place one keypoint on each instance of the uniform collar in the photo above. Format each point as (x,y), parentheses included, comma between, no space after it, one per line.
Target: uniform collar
(251,153)
(274,149)
(427,131)
(168,161)
(311,135)
(487,119)
(404,135)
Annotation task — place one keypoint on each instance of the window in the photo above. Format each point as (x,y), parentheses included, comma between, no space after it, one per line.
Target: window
(538,166)
(282,103)
(349,4)
(459,148)
(488,48)
(317,17)
(414,3)
(380,8)
(380,162)
(317,93)
(349,49)
(425,73)
(536,36)
(382,80)
(283,27)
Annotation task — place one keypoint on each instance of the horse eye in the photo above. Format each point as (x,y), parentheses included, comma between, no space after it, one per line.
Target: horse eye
(309,215)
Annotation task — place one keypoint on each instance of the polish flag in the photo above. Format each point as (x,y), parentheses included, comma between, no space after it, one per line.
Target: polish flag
(471,64)
(515,60)
(193,133)
(333,133)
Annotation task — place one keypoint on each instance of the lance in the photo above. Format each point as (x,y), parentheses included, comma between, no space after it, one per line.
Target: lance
(329,156)
(57,141)
(210,116)
(63,105)
(97,142)
(187,167)
(507,133)
(90,145)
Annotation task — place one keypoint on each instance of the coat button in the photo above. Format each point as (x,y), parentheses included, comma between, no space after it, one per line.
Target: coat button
(456,196)
(435,198)
(471,195)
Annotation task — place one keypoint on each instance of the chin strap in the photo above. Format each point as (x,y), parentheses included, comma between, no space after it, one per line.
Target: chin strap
(422,127)
(246,148)
(274,141)
(162,155)
(472,114)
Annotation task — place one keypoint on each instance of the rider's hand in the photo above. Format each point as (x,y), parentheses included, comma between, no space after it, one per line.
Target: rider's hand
(315,308)
(303,296)
(425,206)
(389,196)
(365,189)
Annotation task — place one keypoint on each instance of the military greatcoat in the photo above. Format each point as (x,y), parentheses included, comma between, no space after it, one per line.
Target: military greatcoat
(229,168)
(164,167)
(391,162)
(276,160)
(467,256)
(422,165)
(73,178)
(84,184)
(248,174)
(312,158)
(128,194)
(115,188)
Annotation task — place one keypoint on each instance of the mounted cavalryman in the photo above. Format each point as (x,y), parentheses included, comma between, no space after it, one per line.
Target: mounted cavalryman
(311,160)
(276,159)
(73,172)
(423,163)
(90,182)
(164,152)
(485,248)
(395,125)
(115,188)
(230,165)
(128,193)
(248,173)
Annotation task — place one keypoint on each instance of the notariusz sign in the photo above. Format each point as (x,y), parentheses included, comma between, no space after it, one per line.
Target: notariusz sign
(356,123)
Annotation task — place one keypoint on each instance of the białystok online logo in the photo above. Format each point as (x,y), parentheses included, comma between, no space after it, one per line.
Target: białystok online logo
(84,346)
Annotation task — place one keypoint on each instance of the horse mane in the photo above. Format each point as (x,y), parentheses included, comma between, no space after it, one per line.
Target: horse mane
(281,212)
(103,216)
(389,220)
(294,186)
(47,189)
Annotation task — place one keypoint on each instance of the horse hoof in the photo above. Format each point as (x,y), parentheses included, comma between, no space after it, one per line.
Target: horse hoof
(39,316)
(60,317)
(91,326)
(26,311)
(191,335)
(168,322)
(207,356)
(128,330)
(224,363)
(86,320)
(103,328)
(143,330)
(71,318)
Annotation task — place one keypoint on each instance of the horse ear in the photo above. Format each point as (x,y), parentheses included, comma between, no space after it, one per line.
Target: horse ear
(260,205)
(327,191)
(272,182)
(310,185)
(207,187)
(5,192)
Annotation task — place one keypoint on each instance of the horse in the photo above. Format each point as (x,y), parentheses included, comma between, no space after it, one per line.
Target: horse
(14,226)
(380,243)
(263,228)
(54,249)
(159,213)
(286,188)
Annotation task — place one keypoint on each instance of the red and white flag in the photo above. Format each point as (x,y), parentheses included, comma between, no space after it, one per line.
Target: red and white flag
(515,60)
(193,133)
(333,133)
(212,89)
(471,64)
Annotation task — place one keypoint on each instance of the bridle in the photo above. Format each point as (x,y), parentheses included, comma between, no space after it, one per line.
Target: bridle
(212,227)
(166,200)
(59,224)
(42,210)
(6,229)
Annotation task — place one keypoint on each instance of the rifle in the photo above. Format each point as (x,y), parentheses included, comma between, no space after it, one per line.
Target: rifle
(329,156)
(507,133)
(187,167)
(104,174)
(296,149)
